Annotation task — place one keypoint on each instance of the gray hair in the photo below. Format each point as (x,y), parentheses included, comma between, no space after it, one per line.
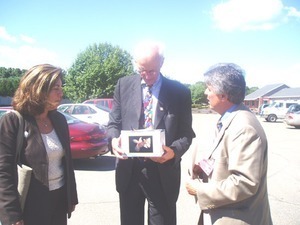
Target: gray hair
(228,79)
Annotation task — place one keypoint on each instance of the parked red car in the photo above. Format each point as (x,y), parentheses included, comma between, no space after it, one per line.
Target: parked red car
(87,140)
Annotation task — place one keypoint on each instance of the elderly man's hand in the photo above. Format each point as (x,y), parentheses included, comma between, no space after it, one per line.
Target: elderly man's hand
(118,152)
(168,154)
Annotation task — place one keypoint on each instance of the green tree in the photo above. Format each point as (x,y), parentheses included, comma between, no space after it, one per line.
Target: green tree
(250,90)
(197,92)
(95,72)
(11,72)
(8,86)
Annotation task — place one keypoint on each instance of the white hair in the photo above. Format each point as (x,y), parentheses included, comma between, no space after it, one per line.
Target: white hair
(146,47)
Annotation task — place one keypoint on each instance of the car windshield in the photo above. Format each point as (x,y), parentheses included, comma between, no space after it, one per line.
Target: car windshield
(272,104)
(297,108)
(294,108)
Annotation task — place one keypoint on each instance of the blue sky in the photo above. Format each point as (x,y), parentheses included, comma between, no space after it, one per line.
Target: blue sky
(262,36)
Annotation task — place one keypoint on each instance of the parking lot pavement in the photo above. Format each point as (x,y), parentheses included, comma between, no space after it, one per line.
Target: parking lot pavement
(284,172)
(99,199)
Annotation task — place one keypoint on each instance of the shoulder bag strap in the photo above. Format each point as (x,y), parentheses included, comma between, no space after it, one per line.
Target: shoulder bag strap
(20,136)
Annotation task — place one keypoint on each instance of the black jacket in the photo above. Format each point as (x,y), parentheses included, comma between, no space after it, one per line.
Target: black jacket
(173,113)
(35,156)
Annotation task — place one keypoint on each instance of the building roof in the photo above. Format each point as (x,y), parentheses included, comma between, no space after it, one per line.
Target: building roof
(287,93)
(267,90)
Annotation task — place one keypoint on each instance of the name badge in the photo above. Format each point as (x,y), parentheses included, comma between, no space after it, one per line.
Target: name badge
(207,165)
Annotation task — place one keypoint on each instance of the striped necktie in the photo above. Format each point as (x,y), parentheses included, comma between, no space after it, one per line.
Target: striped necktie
(218,128)
(219,125)
(148,113)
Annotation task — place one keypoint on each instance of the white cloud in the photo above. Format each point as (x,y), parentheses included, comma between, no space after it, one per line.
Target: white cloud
(5,36)
(265,75)
(25,56)
(22,52)
(27,39)
(292,12)
(187,71)
(248,14)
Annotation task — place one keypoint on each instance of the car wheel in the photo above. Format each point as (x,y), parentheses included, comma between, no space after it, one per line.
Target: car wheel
(272,118)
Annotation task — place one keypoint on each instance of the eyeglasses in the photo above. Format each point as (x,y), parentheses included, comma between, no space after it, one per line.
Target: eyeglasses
(150,72)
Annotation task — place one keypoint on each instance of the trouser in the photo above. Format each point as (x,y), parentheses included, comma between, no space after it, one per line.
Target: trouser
(44,207)
(146,184)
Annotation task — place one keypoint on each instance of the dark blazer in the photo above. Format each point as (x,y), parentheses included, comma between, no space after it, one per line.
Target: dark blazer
(173,113)
(35,156)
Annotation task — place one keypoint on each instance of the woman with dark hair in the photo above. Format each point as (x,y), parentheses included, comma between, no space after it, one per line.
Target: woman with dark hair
(52,192)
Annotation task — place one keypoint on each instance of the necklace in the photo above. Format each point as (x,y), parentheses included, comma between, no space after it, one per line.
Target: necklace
(43,122)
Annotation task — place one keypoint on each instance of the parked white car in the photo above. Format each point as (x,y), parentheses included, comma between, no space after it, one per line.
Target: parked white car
(292,117)
(89,113)
(276,110)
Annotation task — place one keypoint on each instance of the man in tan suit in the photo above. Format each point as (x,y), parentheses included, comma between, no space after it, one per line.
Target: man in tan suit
(230,181)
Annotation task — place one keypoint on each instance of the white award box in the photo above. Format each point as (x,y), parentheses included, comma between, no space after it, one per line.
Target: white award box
(143,143)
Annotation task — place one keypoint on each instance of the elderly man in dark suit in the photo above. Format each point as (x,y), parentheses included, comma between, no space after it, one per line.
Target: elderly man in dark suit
(156,179)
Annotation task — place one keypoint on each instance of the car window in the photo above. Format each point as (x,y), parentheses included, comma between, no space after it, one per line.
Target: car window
(77,110)
(82,109)
(289,104)
(86,110)
(92,111)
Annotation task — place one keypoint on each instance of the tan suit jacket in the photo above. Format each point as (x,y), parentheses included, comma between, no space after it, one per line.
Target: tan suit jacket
(236,191)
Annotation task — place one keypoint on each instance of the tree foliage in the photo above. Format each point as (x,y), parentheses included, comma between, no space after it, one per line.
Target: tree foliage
(95,72)
(11,72)
(9,80)
(197,92)
(250,90)
(8,86)
(198,89)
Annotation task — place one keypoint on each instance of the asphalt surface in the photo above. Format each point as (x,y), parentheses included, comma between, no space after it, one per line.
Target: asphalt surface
(99,199)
